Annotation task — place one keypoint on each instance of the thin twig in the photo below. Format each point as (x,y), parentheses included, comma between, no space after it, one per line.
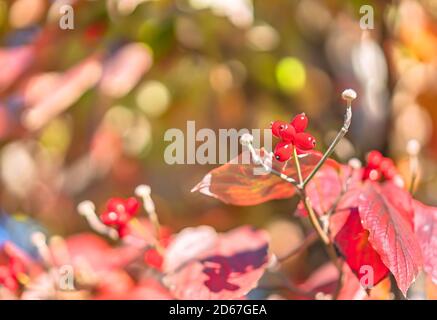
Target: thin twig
(308,241)
(314,219)
(413,150)
(299,171)
(258,160)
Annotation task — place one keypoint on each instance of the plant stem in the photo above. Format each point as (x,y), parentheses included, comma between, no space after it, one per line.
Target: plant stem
(314,219)
(413,169)
(257,160)
(309,240)
(296,161)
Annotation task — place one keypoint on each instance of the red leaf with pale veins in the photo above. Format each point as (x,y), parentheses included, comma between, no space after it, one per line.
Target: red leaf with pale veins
(227,270)
(386,212)
(327,186)
(236,183)
(425,218)
(353,242)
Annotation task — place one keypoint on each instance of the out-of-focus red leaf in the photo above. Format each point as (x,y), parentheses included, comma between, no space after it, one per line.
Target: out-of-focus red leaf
(386,211)
(425,218)
(325,279)
(92,249)
(115,282)
(65,91)
(187,245)
(147,289)
(228,270)
(123,71)
(13,62)
(353,242)
(322,279)
(236,183)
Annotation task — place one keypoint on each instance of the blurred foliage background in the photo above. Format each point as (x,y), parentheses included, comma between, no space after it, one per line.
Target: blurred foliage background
(83,111)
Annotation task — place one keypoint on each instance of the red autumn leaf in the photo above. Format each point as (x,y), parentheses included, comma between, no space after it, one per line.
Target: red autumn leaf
(227,270)
(353,242)
(125,69)
(98,254)
(238,184)
(386,212)
(424,219)
(187,245)
(325,280)
(13,63)
(118,285)
(328,186)
(65,90)
(149,289)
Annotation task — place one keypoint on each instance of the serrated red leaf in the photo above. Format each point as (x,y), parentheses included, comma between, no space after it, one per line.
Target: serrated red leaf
(227,270)
(386,212)
(425,218)
(236,183)
(353,242)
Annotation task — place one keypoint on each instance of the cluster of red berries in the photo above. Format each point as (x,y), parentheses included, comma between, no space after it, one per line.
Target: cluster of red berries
(11,272)
(379,167)
(292,135)
(119,212)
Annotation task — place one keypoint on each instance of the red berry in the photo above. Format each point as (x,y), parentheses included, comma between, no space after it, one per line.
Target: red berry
(371,174)
(300,122)
(304,141)
(386,164)
(390,173)
(374,175)
(115,218)
(287,135)
(374,159)
(278,126)
(130,205)
(388,168)
(283,151)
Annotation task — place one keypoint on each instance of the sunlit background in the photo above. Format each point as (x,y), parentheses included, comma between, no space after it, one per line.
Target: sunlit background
(83,112)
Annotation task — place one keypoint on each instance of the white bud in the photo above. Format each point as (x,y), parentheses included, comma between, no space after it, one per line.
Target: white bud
(413,147)
(349,94)
(246,139)
(85,207)
(143,190)
(355,163)
(38,238)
